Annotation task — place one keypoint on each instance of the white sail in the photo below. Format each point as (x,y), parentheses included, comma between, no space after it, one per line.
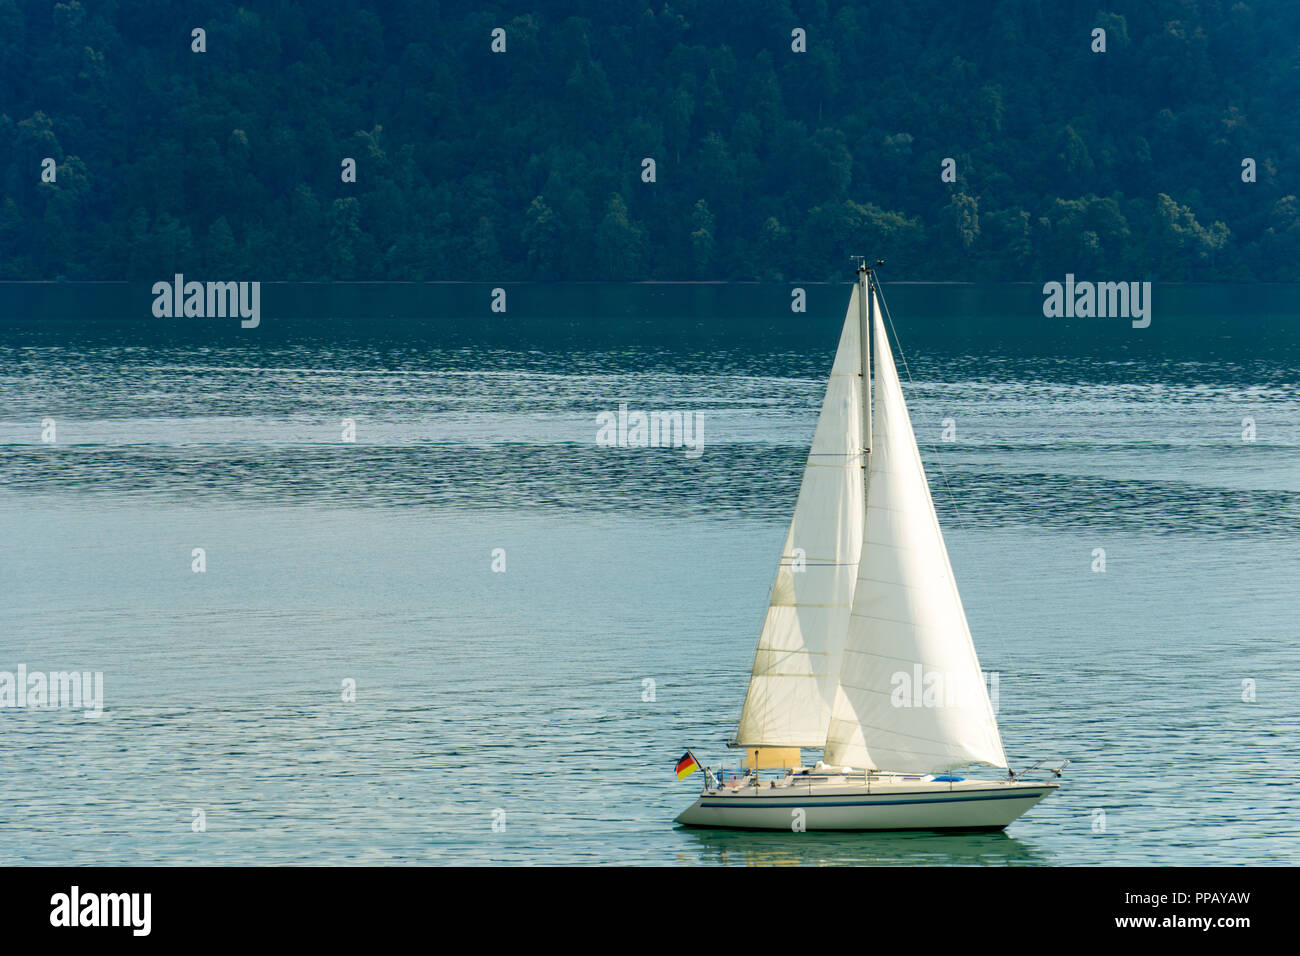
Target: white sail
(796,668)
(911,695)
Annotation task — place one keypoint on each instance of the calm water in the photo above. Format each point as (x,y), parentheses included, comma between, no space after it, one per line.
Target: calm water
(523,691)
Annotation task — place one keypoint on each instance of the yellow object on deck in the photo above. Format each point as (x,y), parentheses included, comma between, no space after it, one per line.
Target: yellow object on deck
(769,758)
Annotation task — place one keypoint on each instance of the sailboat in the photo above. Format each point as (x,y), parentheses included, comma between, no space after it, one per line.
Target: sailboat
(865,652)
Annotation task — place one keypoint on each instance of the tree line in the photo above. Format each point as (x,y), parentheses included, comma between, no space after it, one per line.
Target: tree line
(1170,155)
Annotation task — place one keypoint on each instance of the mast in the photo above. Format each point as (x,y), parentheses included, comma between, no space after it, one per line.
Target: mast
(866,313)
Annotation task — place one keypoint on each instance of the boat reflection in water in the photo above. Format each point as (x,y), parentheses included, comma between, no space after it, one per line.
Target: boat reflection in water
(821,848)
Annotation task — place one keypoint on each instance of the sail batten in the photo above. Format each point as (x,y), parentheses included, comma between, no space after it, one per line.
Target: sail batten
(910,694)
(796,666)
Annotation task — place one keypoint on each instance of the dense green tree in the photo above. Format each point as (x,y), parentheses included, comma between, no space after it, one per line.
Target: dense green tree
(703,245)
(543,236)
(222,257)
(1280,243)
(344,237)
(959,223)
(1007,233)
(620,243)
(1180,244)
(1082,235)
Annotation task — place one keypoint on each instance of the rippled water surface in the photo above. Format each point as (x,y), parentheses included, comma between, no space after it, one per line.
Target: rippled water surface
(522,695)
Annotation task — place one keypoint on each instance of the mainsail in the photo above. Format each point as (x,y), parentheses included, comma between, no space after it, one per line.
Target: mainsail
(796,668)
(910,694)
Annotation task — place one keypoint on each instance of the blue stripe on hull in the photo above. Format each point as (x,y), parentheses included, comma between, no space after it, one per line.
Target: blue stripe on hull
(769,803)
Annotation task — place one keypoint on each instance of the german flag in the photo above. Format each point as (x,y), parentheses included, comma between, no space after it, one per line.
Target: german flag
(687,765)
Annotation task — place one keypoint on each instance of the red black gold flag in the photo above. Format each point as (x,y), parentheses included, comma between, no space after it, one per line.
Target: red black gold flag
(687,765)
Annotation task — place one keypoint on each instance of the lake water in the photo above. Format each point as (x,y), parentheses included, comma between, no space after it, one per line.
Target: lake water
(520,697)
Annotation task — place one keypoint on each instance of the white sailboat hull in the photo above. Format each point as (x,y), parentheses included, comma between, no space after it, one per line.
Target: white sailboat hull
(913,805)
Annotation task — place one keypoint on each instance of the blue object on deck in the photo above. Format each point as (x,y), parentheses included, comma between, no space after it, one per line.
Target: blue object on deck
(946,778)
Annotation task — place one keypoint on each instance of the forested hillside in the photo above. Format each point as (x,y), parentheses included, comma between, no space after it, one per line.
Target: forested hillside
(768,162)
